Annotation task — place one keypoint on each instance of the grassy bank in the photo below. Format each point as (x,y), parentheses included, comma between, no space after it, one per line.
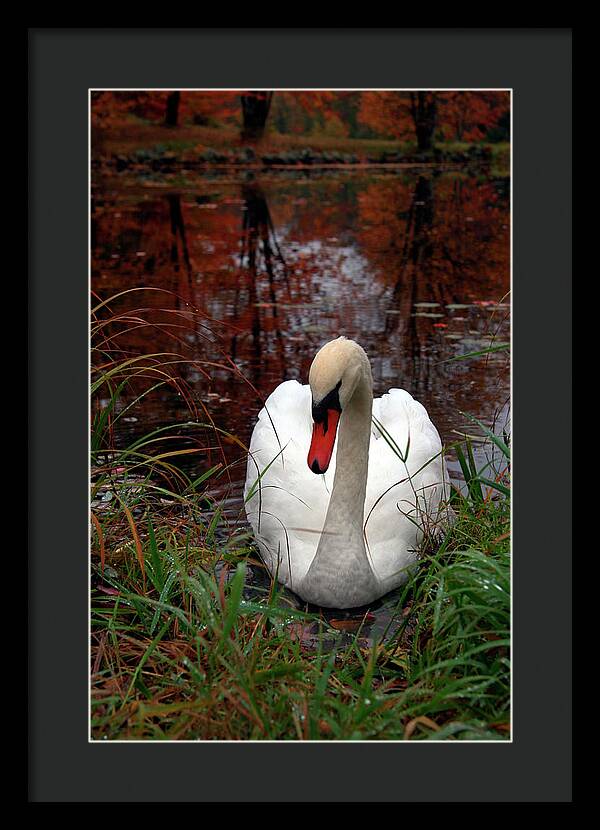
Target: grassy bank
(139,142)
(142,135)
(180,650)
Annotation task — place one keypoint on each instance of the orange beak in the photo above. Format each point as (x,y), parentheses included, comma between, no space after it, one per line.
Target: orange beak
(323,439)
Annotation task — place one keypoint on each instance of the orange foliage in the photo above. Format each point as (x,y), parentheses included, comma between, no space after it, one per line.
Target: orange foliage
(466,116)
(461,115)
(112,108)
(388,113)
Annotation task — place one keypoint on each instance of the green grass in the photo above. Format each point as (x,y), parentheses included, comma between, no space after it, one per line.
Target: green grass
(180,651)
(179,654)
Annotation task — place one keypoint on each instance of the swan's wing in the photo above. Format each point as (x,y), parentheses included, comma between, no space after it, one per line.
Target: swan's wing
(286,503)
(406,486)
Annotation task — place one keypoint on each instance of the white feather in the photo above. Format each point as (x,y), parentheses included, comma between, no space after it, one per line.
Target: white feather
(286,503)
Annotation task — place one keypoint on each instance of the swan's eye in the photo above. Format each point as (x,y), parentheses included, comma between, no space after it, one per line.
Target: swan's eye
(330,401)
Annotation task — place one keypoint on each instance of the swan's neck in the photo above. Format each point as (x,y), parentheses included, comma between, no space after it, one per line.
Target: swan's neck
(352,464)
(340,571)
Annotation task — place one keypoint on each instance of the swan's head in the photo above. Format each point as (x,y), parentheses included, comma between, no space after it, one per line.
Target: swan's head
(333,378)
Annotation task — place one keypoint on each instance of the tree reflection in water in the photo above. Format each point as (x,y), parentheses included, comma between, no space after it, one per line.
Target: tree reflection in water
(259,252)
(289,262)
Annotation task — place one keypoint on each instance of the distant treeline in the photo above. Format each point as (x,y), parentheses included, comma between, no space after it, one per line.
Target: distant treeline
(422,117)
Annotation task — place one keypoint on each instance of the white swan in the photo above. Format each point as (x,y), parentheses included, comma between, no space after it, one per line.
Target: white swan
(341,529)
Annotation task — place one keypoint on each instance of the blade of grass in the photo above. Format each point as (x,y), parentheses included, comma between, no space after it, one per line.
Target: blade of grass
(234,599)
(490,434)
(155,558)
(136,538)
(98,527)
(500,347)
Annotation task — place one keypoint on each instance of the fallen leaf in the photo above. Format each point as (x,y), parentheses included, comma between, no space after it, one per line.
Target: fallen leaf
(412,725)
(346,625)
(106,589)
(503,727)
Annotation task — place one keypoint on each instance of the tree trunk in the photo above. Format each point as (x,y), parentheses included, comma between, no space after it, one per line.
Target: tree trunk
(423,109)
(172,112)
(255,109)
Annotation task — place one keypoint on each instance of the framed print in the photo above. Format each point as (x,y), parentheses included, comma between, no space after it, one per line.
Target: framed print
(298,420)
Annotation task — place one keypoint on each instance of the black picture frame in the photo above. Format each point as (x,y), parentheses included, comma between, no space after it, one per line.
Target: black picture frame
(63,64)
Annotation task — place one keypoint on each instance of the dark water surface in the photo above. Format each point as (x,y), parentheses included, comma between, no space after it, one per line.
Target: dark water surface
(414,264)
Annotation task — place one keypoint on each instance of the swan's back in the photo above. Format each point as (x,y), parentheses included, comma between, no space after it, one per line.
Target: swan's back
(287,505)
(401,492)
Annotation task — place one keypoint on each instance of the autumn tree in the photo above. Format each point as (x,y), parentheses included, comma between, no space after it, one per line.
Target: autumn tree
(172,109)
(468,116)
(456,115)
(110,109)
(213,106)
(303,113)
(114,108)
(423,108)
(255,109)
(403,115)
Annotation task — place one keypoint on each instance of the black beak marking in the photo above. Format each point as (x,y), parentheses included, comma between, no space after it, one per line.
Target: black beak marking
(330,401)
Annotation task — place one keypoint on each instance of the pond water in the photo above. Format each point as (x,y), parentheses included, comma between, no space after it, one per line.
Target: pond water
(262,269)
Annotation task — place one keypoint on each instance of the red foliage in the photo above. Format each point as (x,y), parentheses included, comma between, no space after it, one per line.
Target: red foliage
(112,108)
(466,116)
(387,113)
(458,115)
(461,115)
